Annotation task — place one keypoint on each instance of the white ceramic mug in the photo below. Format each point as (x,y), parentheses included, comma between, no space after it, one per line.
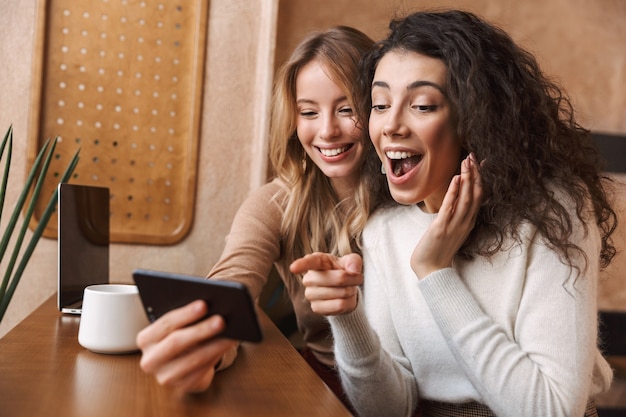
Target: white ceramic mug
(111,318)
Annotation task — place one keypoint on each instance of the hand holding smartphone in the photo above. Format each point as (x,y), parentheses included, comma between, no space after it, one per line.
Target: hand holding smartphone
(161,292)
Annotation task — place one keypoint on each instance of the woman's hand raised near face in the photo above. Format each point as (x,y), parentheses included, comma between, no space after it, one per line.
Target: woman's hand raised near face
(182,352)
(331,282)
(453,224)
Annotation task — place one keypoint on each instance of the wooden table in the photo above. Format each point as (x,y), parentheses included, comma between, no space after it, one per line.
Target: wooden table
(45,372)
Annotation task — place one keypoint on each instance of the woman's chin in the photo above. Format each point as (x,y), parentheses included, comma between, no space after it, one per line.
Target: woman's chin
(404,198)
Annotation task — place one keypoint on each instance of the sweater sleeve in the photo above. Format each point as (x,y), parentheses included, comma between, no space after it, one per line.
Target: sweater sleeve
(373,377)
(252,246)
(547,366)
(253,243)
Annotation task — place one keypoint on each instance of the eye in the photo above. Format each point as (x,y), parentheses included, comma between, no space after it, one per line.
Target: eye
(425,109)
(308,113)
(380,107)
(347,110)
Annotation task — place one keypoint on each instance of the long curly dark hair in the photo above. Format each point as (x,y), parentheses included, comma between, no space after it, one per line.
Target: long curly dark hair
(516,120)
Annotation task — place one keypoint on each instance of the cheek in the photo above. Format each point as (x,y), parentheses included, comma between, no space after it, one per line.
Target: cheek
(443,138)
(349,128)
(448,154)
(305,132)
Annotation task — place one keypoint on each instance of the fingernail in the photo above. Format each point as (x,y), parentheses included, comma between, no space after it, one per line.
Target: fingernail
(215,323)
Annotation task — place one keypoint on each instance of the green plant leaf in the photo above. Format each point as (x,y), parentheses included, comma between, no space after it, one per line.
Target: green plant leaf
(8,232)
(28,214)
(9,283)
(8,137)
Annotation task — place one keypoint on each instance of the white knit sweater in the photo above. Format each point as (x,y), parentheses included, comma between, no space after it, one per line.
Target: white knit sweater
(517,332)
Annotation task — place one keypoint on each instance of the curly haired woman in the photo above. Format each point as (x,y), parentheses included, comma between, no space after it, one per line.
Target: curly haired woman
(480,285)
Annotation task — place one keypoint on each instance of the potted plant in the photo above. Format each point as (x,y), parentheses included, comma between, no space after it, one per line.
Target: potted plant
(13,266)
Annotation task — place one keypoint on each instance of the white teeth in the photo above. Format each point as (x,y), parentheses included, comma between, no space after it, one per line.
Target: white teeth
(333,152)
(399,155)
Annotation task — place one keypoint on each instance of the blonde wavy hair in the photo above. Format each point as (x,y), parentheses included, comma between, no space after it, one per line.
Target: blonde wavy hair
(314,218)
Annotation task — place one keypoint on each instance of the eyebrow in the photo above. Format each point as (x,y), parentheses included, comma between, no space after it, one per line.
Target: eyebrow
(309,101)
(305,101)
(412,86)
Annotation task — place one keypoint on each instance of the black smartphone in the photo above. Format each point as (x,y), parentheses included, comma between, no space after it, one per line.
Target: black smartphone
(161,292)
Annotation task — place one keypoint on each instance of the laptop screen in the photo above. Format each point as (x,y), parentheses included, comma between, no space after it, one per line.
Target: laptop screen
(83,242)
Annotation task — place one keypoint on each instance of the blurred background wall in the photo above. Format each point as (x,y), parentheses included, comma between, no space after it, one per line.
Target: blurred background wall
(577,42)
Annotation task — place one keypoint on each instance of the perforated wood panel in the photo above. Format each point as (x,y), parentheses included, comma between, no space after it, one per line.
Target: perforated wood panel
(122,80)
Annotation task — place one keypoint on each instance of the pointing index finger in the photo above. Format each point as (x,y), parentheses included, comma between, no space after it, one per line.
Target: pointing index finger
(317,261)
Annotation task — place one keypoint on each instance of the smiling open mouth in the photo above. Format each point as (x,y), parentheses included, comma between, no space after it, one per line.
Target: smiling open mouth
(334,151)
(403,162)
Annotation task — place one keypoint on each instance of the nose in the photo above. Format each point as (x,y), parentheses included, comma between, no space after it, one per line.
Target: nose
(330,127)
(394,125)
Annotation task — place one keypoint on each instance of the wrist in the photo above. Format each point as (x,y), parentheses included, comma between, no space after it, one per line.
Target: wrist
(423,270)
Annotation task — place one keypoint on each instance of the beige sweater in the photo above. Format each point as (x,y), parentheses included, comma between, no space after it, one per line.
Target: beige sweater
(253,245)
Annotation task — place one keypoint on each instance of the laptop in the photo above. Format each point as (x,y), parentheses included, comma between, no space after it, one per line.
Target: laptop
(83,242)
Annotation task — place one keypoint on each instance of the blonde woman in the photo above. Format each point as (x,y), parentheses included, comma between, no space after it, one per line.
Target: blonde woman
(317,202)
